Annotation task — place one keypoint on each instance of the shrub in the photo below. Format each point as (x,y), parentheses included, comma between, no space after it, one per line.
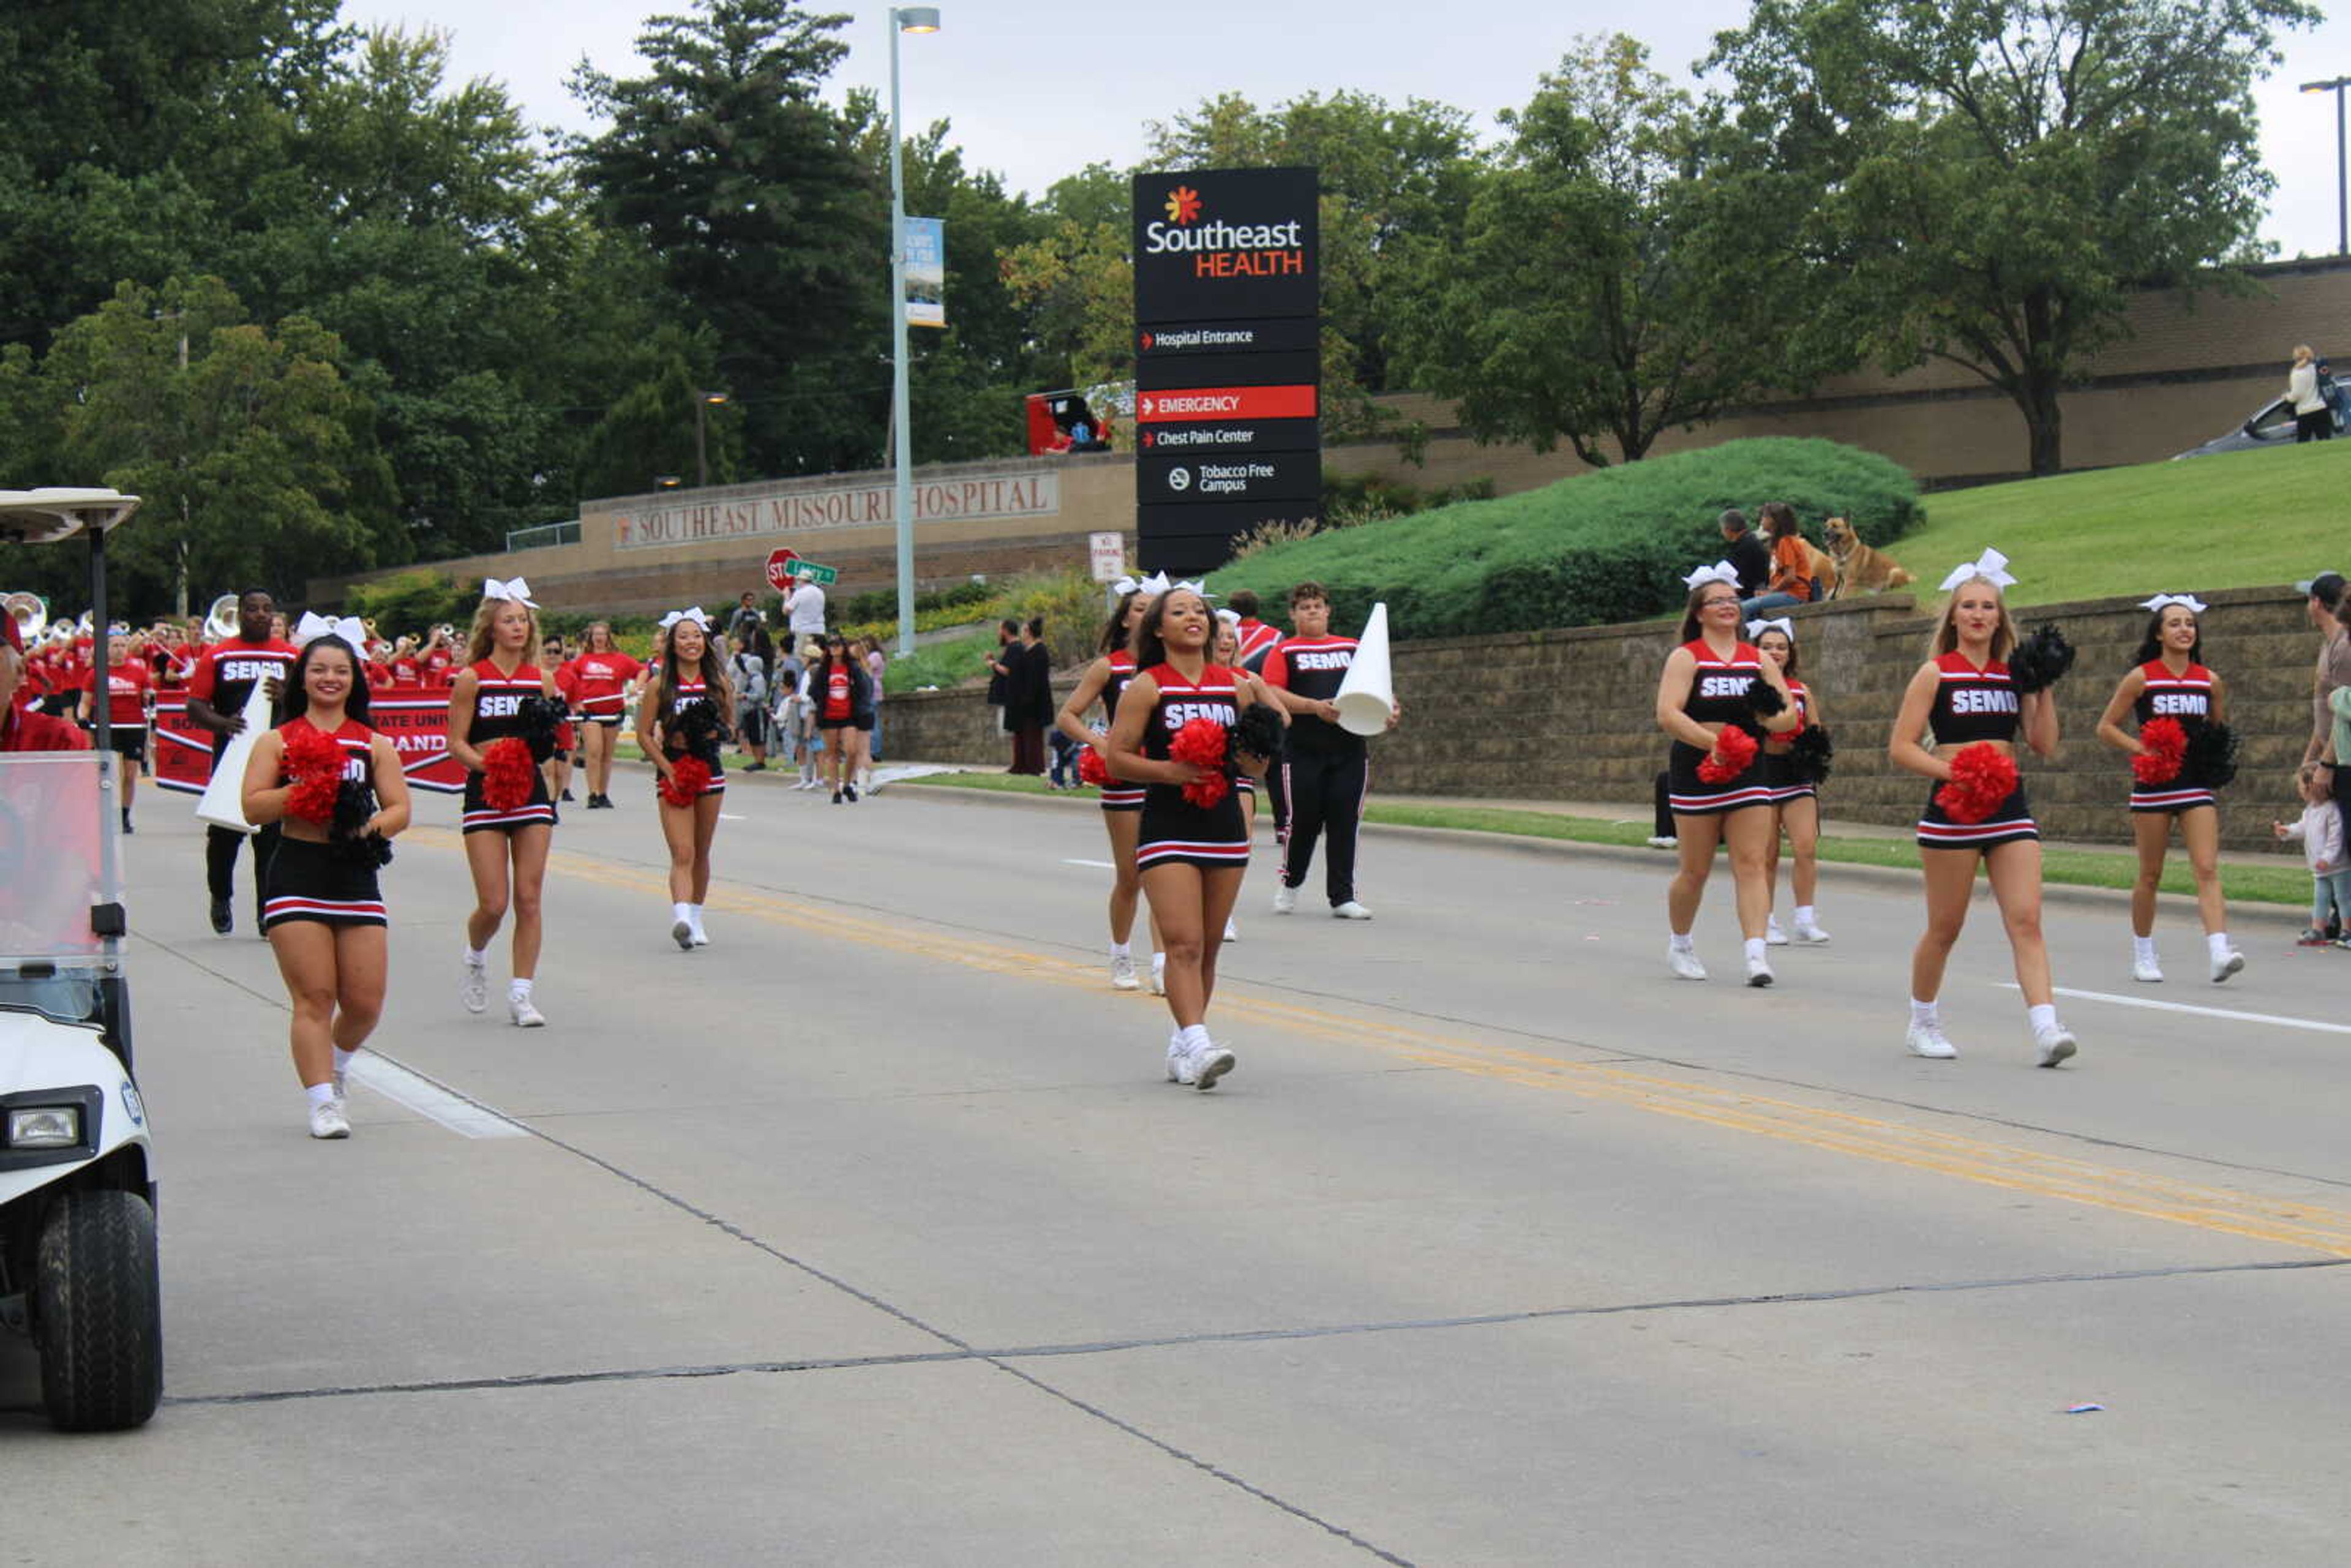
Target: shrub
(1599,547)
(411,604)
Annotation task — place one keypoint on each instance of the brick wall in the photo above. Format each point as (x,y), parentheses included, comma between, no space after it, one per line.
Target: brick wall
(1570,715)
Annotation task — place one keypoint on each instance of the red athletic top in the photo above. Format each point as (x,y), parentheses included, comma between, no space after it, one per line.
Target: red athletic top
(2186,696)
(439,669)
(603,682)
(21,730)
(226,672)
(1255,637)
(357,740)
(836,694)
(404,672)
(127,685)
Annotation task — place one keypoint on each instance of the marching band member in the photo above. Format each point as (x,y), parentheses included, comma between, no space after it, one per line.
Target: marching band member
(218,692)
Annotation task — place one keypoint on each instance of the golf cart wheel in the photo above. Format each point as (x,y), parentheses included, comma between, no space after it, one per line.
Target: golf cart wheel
(97,1310)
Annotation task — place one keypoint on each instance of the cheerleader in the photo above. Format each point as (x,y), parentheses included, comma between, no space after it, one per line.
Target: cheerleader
(682,723)
(1976,694)
(1106,680)
(502,696)
(1192,844)
(1715,698)
(2173,780)
(1227,653)
(337,791)
(1792,774)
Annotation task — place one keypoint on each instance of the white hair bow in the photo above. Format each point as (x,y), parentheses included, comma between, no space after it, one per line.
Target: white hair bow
(694,615)
(2195,605)
(1153,585)
(1721,571)
(312,627)
(514,589)
(1198,586)
(1230,617)
(1780,623)
(1991,566)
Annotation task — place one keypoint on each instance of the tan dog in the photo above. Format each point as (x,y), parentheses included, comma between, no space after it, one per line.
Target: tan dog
(1857,564)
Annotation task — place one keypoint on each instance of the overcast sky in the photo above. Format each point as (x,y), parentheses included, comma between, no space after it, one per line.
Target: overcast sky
(1035,90)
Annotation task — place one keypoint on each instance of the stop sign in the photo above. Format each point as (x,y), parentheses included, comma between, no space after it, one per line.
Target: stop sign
(779,568)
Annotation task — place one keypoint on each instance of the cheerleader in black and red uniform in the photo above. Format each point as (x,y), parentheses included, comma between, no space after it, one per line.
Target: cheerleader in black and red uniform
(1717,698)
(1105,680)
(503,713)
(682,725)
(337,791)
(1192,852)
(2174,774)
(1791,770)
(1976,705)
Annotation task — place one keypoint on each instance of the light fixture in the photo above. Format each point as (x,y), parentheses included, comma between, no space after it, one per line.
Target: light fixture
(903,19)
(2342,173)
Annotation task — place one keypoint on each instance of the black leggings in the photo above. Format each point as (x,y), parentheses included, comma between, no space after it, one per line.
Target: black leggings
(1666,829)
(1326,801)
(220,861)
(2318,425)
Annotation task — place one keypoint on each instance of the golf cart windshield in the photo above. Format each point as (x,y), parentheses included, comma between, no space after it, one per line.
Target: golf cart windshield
(54,870)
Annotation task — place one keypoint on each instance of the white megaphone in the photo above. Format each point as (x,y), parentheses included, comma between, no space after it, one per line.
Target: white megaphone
(222,803)
(1367,696)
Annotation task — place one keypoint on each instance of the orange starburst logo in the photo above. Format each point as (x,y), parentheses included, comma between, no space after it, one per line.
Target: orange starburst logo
(1183,204)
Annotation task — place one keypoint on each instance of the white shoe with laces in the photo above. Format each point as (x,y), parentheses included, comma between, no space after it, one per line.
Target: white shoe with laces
(2227,964)
(1122,973)
(328,1120)
(2052,1045)
(1210,1063)
(473,986)
(2147,971)
(1232,931)
(680,931)
(1684,963)
(701,938)
(1810,934)
(1285,899)
(1758,972)
(1927,1039)
(1351,910)
(525,1013)
(1159,974)
(1664,842)
(1179,1063)
(1773,935)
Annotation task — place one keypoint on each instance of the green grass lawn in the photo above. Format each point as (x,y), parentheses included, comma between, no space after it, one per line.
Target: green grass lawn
(2243,520)
(2286,883)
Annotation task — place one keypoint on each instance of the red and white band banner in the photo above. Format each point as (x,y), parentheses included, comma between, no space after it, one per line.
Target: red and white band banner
(414,719)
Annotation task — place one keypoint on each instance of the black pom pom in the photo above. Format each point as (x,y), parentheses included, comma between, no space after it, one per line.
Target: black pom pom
(2040,660)
(540,715)
(355,803)
(1763,698)
(699,729)
(1811,752)
(2211,755)
(1258,734)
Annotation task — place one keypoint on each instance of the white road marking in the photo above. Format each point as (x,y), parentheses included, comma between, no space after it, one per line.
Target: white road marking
(732,816)
(2282,1021)
(1103,866)
(428,1099)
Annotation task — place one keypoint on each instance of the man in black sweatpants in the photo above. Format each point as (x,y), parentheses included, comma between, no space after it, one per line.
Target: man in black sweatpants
(1327,771)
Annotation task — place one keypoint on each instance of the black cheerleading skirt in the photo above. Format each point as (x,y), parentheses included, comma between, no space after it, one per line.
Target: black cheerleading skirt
(312,881)
(1786,781)
(2182,794)
(1173,831)
(538,812)
(1118,795)
(2012,821)
(1691,796)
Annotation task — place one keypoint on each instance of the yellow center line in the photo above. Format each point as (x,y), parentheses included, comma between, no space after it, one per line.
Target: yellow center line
(2284,1221)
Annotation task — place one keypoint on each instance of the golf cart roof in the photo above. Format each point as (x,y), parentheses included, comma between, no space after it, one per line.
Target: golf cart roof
(45,516)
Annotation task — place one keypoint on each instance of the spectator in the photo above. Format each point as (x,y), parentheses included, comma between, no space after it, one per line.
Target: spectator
(804,610)
(1028,696)
(2320,833)
(746,619)
(748,673)
(877,664)
(1747,554)
(1791,583)
(2313,420)
(2326,599)
(999,680)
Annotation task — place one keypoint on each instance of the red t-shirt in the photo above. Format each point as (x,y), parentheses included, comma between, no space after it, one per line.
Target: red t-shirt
(603,681)
(21,730)
(128,684)
(226,672)
(439,669)
(404,672)
(836,694)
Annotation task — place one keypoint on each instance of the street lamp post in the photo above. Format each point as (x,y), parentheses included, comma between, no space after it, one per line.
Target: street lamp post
(702,403)
(903,19)
(2342,176)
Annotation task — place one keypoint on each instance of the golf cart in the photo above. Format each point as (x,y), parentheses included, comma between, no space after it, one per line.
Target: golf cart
(78,1266)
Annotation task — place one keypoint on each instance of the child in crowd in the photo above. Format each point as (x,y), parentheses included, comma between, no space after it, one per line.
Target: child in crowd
(1065,761)
(2320,831)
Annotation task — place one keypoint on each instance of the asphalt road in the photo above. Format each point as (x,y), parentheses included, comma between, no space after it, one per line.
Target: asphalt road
(873,1234)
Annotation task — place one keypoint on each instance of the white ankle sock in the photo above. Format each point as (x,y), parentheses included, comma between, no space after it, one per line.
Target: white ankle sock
(320,1094)
(343,1059)
(476,957)
(681,911)
(1195,1037)
(1924,1014)
(1159,960)
(1680,942)
(2143,948)
(2042,1018)
(1804,914)
(2218,942)
(1121,949)
(519,990)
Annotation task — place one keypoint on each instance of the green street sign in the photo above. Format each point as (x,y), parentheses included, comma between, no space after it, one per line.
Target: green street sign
(808,571)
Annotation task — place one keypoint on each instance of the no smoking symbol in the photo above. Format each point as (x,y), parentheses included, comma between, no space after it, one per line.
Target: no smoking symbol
(1179,478)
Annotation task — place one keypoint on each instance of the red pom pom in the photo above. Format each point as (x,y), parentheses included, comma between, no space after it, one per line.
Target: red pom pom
(1733,754)
(688,778)
(1092,769)
(508,774)
(1982,775)
(1203,742)
(2166,749)
(314,764)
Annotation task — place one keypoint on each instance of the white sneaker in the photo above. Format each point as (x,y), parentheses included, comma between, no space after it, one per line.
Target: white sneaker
(473,986)
(2052,1045)
(701,937)
(1927,1040)
(1351,910)
(328,1120)
(1773,935)
(1664,842)
(1809,934)
(1758,972)
(1285,899)
(2228,963)
(1159,974)
(680,931)
(1684,964)
(525,1013)
(1179,1063)
(2147,971)
(1232,932)
(1122,973)
(1209,1063)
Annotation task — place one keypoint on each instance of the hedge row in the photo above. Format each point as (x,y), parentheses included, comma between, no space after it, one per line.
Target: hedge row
(1602,547)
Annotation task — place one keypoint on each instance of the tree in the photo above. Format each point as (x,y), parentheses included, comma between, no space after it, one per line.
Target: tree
(1988,182)
(725,162)
(1604,286)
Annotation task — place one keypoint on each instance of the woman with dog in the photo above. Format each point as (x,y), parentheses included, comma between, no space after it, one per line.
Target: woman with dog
(1978,692)
(1792,582)
(1791,767)
(2179,757)
(1717,699)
